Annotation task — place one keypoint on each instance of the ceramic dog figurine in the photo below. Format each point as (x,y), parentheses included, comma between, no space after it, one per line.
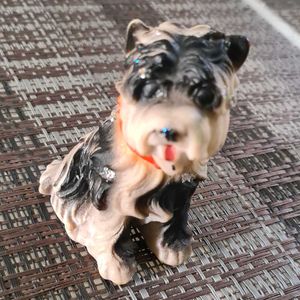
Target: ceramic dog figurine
(143,164)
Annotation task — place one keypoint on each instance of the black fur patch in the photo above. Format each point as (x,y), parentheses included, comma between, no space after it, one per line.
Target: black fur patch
(175,198)
(84,179)
(124,247)
(185,63)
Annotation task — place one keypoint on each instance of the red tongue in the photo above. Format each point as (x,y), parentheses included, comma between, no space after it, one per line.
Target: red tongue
(170,153)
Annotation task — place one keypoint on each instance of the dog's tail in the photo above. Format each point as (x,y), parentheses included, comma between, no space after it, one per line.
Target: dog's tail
(49,177)
(58,170)
(84,172)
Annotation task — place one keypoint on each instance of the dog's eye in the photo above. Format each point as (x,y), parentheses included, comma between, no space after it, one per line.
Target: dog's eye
(145,89)
(205,96)
(150,89)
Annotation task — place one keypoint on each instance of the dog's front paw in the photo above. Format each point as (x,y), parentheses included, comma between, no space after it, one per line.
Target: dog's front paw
(113,268)
(172,257)
(174,245)
(176,238)
(171,249)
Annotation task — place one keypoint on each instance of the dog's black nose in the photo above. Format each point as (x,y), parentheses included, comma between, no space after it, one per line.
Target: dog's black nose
(170,134)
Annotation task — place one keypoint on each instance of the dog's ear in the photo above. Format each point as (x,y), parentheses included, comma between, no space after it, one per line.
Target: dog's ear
(133,28)
(199,30)
(237,49)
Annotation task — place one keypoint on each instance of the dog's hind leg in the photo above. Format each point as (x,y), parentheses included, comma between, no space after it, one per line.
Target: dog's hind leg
(113,253)
(171,241)
(78,185)
(104,233)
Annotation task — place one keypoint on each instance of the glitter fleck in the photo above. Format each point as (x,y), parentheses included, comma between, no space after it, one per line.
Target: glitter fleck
(187,177)
(142,73)
(107,174)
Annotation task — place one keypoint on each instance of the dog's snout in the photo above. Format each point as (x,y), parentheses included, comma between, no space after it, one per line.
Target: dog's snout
(186,140)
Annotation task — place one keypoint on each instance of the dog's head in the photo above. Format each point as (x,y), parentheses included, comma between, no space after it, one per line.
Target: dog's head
(177,91)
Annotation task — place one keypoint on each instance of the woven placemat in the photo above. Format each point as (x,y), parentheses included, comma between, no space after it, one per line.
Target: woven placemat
(59,60)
